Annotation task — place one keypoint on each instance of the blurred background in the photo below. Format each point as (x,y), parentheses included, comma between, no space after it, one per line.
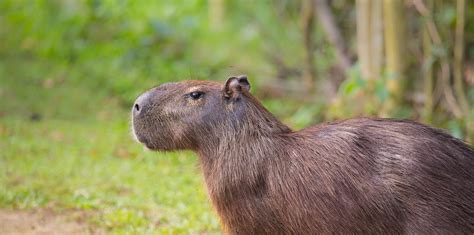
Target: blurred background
(71,69)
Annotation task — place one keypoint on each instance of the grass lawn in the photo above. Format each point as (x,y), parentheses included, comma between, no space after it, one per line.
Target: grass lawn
(64,147)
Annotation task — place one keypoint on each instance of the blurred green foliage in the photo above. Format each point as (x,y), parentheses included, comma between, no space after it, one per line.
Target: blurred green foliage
(125,47)
(121,48)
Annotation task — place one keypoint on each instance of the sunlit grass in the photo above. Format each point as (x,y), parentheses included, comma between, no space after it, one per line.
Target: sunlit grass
(96,166)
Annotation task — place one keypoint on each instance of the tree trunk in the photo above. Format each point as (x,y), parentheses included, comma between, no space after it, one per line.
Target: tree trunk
(216,14)
(363,37)
(428,76)
(394,48)
(376,38)
(307,22)
(458,56)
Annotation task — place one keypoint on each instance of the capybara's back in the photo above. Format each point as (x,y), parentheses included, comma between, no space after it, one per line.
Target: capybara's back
(384,175)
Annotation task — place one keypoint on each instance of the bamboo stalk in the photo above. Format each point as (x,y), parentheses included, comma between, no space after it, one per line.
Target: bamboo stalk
(307,21)
(428,76)
(377,38)
(216,14)
(363,39)
(394,50)
(458,56)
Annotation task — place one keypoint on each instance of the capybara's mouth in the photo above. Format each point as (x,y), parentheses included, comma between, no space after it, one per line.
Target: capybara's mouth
(146,142)
(140,138)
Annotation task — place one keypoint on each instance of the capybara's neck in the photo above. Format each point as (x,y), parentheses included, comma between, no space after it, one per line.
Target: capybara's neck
(253,119)
(236,174)
(236,153)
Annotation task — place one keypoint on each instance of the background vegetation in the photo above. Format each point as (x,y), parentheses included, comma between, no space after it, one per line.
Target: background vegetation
(70,71)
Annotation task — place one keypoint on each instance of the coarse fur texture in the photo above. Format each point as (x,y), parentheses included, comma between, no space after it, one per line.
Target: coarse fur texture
(364,176)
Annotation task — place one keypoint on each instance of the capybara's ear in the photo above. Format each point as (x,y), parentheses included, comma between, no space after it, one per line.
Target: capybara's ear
(235,85)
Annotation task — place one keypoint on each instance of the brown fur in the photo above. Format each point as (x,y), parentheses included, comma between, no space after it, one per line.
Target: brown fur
(366,176)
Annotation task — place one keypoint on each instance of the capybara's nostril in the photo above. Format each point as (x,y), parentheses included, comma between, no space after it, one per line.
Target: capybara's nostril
(141,104)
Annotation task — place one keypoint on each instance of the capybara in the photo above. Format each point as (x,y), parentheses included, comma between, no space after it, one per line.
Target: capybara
(364,175)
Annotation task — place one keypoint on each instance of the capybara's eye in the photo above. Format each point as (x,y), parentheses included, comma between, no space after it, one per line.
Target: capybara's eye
(195,95)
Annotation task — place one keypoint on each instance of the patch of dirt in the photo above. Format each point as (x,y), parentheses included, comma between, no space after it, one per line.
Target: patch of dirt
(44,221)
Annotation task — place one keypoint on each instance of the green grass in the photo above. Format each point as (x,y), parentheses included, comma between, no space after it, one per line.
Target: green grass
(80,155)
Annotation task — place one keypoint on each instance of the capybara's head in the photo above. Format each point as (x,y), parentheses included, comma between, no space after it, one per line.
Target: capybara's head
(185,114)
